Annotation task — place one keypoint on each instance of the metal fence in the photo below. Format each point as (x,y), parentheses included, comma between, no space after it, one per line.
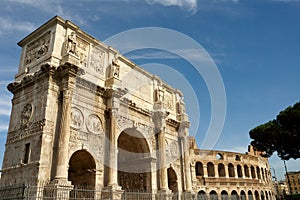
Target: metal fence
(28,192)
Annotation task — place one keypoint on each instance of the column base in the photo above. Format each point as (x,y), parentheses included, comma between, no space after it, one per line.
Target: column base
(165,194)
(112,192)
(188,195)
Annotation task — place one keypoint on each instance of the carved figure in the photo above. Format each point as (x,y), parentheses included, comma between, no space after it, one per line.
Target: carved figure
(181,106)
(160,94)
(72,43)
(115,69)
(26,114)
(94,124)
(76,118)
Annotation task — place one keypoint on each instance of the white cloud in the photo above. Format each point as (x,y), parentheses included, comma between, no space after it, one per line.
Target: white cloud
(9,25)
(3,127)
(5,105)
(52,7)
(185,4)
(188,54)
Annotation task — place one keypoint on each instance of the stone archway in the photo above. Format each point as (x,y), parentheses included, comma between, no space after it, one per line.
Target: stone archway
(172,180)
(82,169)
(134,161)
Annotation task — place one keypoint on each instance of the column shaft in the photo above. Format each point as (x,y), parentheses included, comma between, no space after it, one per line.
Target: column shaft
(162,161)
(113,158)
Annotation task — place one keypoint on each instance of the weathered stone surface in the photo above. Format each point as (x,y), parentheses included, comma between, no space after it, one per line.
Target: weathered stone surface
(86,115)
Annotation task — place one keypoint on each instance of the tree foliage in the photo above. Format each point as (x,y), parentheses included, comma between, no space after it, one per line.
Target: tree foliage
(281,134)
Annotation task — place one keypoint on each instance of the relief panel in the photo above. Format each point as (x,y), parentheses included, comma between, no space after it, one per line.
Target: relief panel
(97,61)
(38,48)
(94,124)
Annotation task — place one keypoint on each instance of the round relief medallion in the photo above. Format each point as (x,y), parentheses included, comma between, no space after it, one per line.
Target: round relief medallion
(76,118)
(94,124)
(26,114)
(174,149)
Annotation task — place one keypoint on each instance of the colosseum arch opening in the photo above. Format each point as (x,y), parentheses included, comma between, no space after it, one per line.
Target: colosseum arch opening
(202,195)
(224,195)
(234,195)
(221,170)
(210,169)
(82,169)
(213,195)
(250,195)
(134,162)
(231,172)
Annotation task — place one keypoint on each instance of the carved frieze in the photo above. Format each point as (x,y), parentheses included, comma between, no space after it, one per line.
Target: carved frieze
(76,118)
(26,131)
(130,181)
(26,114)
(37,48)
(97,61)
(94,124)
(124,122)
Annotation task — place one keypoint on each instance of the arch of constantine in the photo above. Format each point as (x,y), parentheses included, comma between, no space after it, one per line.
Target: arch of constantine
(84,115)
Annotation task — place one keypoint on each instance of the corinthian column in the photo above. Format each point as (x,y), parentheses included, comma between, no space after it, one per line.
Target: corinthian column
(67,73)
(113,152)
(183,133)
(159,122)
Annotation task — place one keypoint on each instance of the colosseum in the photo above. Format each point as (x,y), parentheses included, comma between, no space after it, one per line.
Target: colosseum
(88,123)
(229,174)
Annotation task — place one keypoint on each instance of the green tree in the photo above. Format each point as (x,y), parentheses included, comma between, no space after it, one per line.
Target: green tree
(281,134)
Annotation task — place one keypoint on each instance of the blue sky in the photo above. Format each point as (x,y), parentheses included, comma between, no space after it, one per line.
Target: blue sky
(254,43)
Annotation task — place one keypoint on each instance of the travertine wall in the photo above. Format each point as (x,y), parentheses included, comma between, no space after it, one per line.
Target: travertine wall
(230,172)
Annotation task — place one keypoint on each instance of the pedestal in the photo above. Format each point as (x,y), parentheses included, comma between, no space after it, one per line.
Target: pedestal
(112,192)
(188,196)
(58,189)
(164,194)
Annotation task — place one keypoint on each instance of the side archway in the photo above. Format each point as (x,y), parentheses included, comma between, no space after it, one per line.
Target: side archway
(82,169)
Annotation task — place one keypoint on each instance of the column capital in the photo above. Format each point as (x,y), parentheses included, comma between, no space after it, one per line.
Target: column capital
(159,119)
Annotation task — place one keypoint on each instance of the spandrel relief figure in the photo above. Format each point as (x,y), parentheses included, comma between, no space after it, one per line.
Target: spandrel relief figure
(72,42)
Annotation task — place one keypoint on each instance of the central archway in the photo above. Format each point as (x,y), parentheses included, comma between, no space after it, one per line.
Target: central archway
(134,161)
(172,180)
